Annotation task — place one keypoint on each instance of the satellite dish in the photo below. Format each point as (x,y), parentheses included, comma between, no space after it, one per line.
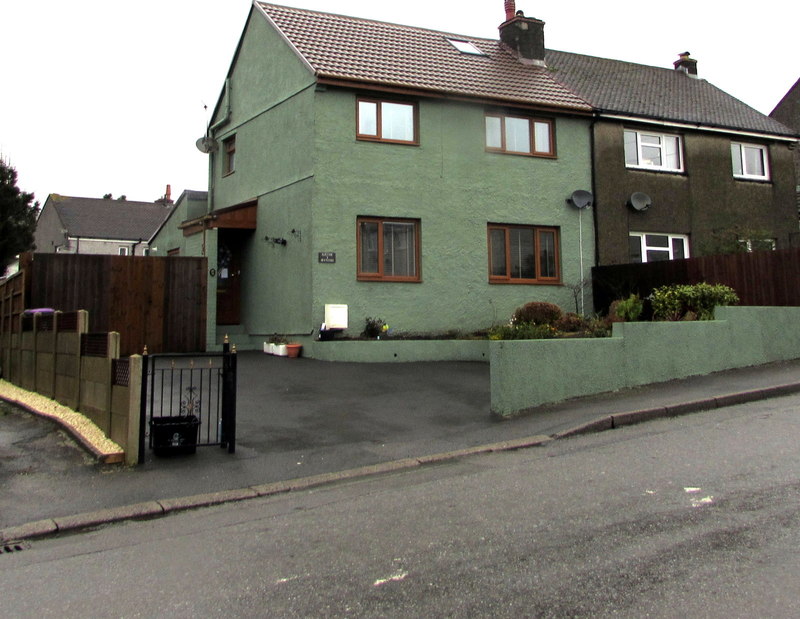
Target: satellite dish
(581,199)
(640,201)
(206,144)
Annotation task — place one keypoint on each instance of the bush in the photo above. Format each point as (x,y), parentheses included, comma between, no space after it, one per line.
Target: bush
(571,323)
(537,313)
(524,331)
(687,302)
(628,310)
(373,327)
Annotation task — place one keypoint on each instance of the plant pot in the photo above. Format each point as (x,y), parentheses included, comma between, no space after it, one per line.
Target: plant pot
(269,348)
(293,350)
(280,350)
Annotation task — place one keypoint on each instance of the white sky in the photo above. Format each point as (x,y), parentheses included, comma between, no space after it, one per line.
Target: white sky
(104,96)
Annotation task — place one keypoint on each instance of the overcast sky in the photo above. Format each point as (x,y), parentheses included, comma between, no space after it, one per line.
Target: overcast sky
(103,96)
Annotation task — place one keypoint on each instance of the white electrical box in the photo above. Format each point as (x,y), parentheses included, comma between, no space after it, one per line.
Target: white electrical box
(335,316)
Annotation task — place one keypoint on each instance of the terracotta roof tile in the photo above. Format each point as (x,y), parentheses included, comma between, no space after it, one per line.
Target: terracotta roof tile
(380,53)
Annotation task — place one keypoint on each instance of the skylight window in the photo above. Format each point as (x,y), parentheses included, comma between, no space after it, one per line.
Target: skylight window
(465,47)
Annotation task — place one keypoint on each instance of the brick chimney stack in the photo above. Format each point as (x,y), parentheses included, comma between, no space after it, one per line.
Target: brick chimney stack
(686,64)
(524,36)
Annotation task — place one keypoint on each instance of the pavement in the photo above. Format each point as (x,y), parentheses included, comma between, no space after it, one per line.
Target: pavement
(303,423)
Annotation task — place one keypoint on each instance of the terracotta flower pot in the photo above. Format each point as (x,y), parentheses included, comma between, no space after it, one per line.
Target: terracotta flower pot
(293,350)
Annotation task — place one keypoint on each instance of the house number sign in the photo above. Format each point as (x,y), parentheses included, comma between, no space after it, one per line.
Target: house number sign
(327,257)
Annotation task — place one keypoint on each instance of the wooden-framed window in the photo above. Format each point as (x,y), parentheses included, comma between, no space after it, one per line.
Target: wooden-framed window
(520,135)
(523,254)
(653,151)
(388,249)
(228,155)
(750,161)
(379,120)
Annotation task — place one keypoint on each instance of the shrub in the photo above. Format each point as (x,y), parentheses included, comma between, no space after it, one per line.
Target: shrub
(679,302)
(571,323)
(524,331)
(627,309)
(373,327)
(537,313)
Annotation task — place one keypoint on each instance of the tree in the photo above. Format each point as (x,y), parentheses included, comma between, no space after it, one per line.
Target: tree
(17,216)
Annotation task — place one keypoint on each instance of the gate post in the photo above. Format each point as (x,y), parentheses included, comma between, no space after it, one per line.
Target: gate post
(143,406)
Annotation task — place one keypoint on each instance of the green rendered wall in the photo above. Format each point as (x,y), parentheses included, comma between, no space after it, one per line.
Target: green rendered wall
(526,374)
(454,187)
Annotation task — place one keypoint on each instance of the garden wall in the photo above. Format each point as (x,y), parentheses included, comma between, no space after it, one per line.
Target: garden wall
(528,373)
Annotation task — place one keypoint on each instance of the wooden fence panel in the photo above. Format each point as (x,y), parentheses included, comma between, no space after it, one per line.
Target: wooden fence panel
(769,278)
(155,301)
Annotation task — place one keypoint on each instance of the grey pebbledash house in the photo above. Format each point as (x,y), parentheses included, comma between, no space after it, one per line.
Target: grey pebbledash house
(788,112)
(438,181)
(75,225)
(680,168)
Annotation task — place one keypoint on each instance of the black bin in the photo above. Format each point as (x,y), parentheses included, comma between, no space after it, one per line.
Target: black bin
(174,435)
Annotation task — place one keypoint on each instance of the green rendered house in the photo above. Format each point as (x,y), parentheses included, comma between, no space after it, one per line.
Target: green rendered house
(417,176)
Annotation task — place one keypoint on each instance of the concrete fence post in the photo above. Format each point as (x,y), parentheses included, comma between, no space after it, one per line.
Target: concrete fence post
(134,410)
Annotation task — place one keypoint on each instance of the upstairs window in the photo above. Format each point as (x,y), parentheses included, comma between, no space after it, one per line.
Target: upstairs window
(228,155)
(387,121)
(388,249)
(647,247)
(749,161)
(518,135)
(653,151)
(523,255)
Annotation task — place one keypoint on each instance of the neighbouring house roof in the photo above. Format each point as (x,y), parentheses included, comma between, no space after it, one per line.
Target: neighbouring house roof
(351,49)
(627,88)
(108,219)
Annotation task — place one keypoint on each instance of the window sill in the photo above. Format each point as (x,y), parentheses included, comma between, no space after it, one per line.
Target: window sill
(655,170)
(526,282)
(360,138)
(753,179)
(535,155)
(387,280)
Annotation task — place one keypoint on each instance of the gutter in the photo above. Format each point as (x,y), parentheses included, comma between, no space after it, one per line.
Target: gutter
(698,127)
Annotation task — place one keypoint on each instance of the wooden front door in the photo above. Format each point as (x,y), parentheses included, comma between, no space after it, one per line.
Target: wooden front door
(229,278)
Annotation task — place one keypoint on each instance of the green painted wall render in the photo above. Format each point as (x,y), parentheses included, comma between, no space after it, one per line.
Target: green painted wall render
(297,155)
(527,374)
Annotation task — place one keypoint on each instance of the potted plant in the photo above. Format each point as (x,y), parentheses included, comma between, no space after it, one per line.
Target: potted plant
(280,346)
(293,349)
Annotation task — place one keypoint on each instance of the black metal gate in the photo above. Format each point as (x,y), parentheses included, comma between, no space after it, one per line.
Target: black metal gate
(188,400)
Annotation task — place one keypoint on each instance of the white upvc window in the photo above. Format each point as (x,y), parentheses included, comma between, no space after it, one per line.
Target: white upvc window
(123,251)
(653,151)
(656,247)
(749,161)
(758,244)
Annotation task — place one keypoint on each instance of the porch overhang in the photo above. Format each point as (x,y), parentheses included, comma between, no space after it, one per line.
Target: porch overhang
(239,217)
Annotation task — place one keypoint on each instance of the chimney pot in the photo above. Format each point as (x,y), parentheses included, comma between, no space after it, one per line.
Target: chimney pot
(511,9)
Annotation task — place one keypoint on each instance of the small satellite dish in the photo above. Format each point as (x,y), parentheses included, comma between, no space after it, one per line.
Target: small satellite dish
(640,201)
(581,199)
(206,144)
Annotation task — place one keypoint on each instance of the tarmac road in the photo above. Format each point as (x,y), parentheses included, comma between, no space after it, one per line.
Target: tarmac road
(302,418)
